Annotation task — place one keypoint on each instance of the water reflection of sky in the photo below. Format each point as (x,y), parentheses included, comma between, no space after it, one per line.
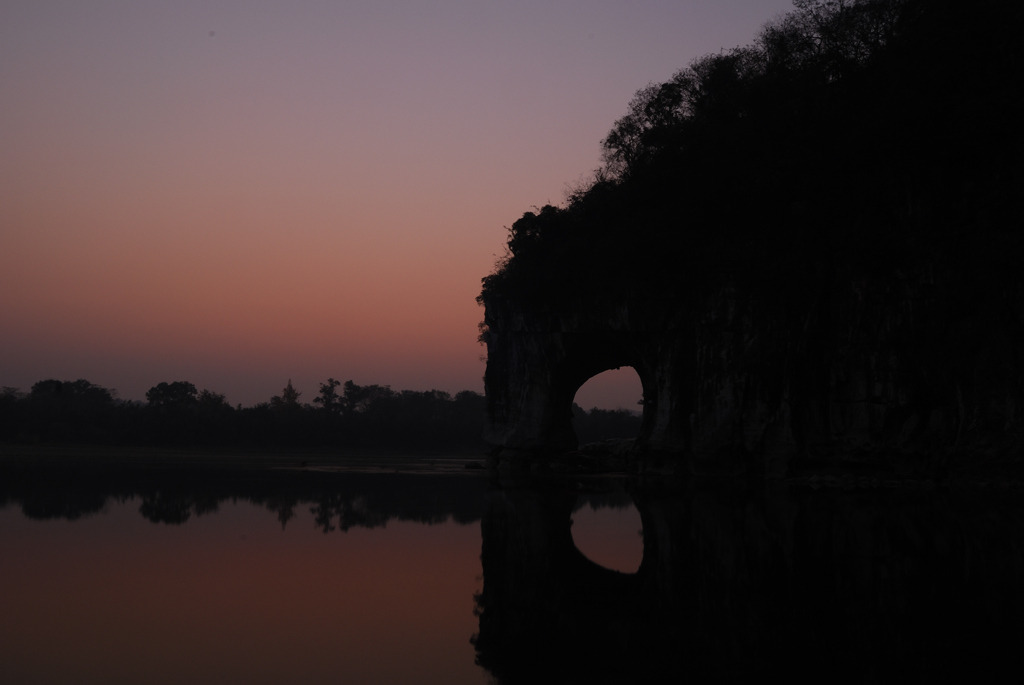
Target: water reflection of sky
(140,573)
(231,597)
(610,536)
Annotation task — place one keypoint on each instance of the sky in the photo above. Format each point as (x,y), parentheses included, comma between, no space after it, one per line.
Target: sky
(238,193)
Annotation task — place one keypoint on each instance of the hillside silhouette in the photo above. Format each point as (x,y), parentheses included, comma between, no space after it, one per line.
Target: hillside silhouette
(809,248)
(849,133)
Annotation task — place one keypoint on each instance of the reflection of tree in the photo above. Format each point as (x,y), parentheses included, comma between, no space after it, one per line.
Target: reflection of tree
(350,512)
(163,508)
(61,503)
(284,507)
(169,493)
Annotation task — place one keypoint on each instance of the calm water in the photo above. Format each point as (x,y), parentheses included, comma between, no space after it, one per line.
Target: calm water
(174,585)
(255,575)
(231,597)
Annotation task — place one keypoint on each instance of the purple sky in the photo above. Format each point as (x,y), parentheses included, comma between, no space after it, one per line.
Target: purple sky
(238,193)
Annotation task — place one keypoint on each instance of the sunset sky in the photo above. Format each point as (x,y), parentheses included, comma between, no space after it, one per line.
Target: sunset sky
(237,193)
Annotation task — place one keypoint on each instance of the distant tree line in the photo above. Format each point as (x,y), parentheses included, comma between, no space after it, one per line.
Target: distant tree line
(343,417)
(604,424)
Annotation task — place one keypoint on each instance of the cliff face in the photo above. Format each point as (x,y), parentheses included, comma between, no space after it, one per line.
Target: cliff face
(806,251)
(906,368)
(538,356)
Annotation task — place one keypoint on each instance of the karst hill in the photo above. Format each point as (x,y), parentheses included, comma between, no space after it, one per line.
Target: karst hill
(809,248)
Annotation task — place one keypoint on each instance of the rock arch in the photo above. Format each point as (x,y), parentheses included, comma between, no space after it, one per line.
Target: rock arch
(887,369)
(538,359)
(815,282)
(617,388)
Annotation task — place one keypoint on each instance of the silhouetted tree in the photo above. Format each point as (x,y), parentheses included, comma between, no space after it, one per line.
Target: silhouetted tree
(604,424)
(80,392)
(828,142)
(329,398)
(11,412)
(68,410)
(174,395)
(288,399)
(793,58)
(170,415)
(178,415)
(212,401)
(359,398)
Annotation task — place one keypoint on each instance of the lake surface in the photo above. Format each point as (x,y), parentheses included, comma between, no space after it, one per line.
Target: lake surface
(419,573)
(231,597)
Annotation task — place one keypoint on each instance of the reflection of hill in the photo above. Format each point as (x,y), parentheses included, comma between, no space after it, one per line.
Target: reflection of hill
(736,583)
(902,583)
(172,494)
(172,490)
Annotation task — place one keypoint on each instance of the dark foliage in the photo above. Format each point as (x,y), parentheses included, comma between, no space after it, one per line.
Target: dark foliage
(851,132)
(604,424)
(362,419)
(171,396)
(173,493)
(370,418)
(62,409)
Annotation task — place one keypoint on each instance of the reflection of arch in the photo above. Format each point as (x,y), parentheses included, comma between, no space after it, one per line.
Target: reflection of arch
(609,535)
(545,603)
(738,583)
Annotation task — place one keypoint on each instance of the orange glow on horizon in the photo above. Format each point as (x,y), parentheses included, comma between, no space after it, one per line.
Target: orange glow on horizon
(238,195)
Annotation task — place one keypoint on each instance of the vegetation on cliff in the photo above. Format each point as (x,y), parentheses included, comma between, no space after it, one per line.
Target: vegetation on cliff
(850,135)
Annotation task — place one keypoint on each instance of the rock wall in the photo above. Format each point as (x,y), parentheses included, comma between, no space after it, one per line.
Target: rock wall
(915,367)
(808,259)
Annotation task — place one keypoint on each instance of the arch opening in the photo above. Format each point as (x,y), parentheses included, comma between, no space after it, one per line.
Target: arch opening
(607,408)
(607,530)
